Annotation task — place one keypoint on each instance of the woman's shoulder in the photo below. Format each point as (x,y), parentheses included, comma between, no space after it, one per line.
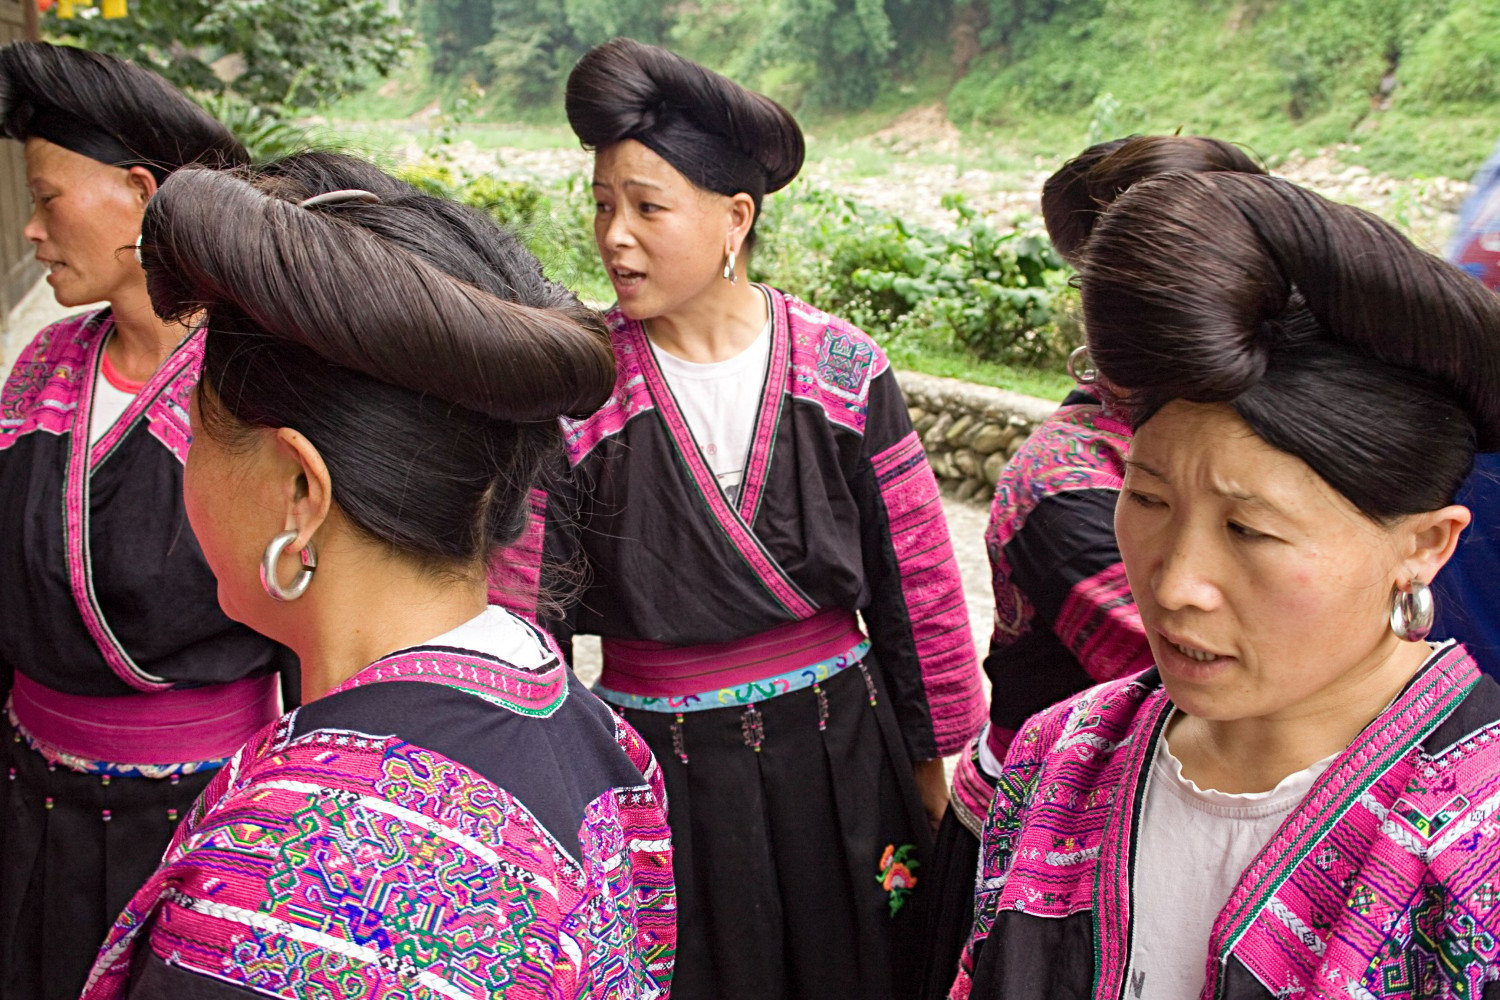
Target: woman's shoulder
(1100,717)
(48,376)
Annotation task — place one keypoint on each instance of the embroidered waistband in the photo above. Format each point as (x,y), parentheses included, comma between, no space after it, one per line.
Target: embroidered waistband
(661,678)
(154,734)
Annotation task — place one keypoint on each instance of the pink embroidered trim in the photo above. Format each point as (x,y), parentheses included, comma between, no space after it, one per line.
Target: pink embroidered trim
(781,586)
(166,727)
(1100,624)
(933,590)
(81,460)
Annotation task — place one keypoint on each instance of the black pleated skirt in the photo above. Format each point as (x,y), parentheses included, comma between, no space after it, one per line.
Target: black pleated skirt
(66,870)
(947,911)
(797,830)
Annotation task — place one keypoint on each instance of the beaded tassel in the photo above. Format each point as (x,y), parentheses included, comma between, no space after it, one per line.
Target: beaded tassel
(678,747)
(822,707)
(869,683)
(752,726)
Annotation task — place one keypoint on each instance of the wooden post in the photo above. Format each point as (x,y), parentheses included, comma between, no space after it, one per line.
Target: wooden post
(18,268)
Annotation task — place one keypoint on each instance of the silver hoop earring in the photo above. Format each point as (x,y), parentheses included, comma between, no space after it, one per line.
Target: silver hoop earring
(138,258)
(1412,611)
(268,562)
(729,272)
(1081,367)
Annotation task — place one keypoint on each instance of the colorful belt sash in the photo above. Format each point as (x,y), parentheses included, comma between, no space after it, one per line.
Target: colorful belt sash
(151,734)
(656,677)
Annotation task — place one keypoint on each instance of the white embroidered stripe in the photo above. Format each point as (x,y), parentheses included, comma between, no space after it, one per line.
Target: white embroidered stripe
(650,845)
(327,942)
(1294,923)
(416,819)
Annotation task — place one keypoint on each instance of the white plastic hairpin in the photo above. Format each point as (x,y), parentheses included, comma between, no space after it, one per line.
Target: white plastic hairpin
(340,197)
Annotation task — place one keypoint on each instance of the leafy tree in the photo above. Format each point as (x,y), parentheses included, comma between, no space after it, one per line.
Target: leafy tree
(287,53)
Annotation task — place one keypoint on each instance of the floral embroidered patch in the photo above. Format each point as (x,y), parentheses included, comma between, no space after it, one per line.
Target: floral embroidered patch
(896,876)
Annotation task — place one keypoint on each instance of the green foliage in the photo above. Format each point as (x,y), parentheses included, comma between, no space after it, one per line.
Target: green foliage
(1459,59)
(267,134)
(287,53)
(556,225)
(974,291)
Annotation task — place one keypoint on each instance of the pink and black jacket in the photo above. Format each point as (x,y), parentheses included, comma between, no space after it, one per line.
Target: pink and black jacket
(1064,616)
(113,648)
(838,513)
(1383,882)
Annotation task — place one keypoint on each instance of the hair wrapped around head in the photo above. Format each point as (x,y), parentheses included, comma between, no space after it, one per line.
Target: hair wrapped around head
(107,109)
(719,135)
(1081,190)
(1333,336)
(413,341)
(212,241)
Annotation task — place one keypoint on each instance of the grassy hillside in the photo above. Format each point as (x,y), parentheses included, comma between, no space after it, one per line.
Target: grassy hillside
(1416,86)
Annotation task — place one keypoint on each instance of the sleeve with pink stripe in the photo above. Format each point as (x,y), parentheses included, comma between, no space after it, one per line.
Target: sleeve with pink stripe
(918,621)
(1100,624)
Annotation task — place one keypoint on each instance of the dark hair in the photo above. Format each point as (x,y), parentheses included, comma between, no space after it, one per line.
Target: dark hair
(717,134)
(1325,329)
(1075,196)
(413,341)
(107,109)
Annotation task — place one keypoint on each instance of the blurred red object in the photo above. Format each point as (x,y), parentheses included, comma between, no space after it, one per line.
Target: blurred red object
(44,5)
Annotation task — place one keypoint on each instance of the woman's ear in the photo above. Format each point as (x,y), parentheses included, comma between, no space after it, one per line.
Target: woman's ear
(143,182)
(1434,536)
(307,490)
(741,218)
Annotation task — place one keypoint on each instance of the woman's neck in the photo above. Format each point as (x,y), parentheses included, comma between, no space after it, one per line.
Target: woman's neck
(365,604)
(716,326)
(142,341)
(1254,755)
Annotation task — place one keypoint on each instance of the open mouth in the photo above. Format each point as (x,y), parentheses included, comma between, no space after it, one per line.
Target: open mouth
(624,277)
(1193,653)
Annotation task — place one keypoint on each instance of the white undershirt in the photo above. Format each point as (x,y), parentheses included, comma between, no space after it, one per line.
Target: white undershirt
(720,402)
(500,634)
(109,404)
(1192,847)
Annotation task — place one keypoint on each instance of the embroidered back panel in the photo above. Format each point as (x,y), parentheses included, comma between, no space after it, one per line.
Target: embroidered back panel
(345,863)
(1077,448)
(1394,896)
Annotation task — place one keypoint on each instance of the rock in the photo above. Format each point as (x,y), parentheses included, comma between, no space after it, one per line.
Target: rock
(924,425)
(991,438)
(915,414)
(993,466)
(968,489)
(935,434)
(957,430)
(970,465)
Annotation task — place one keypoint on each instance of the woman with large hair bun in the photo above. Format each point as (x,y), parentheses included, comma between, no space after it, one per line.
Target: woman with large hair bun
(1298,799)
(750,490)
(125,685)
(450,813)
(1064,618)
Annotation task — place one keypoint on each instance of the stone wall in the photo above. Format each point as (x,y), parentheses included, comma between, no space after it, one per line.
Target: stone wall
(969,431)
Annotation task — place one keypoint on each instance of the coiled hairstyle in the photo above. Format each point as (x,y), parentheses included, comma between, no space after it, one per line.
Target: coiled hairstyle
(1326,330)
(1080,191)
(416,344)
(716,133)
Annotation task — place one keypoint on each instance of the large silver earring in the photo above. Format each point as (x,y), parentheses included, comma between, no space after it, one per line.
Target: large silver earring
(1081,367)
(730,275)
(1412,611)
(268,563)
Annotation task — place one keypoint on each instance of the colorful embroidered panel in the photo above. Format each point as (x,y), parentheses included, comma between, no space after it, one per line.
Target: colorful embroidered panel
(355,862)
(1383,882)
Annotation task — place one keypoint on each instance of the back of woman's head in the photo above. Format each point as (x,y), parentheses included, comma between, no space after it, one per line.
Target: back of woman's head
(107,109)
(411,340)
(719,135)
(1330,334)
(1085,186)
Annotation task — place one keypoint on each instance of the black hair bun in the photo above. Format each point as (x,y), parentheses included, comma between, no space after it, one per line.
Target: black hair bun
(1085,186)
(624,89)
(108,109)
